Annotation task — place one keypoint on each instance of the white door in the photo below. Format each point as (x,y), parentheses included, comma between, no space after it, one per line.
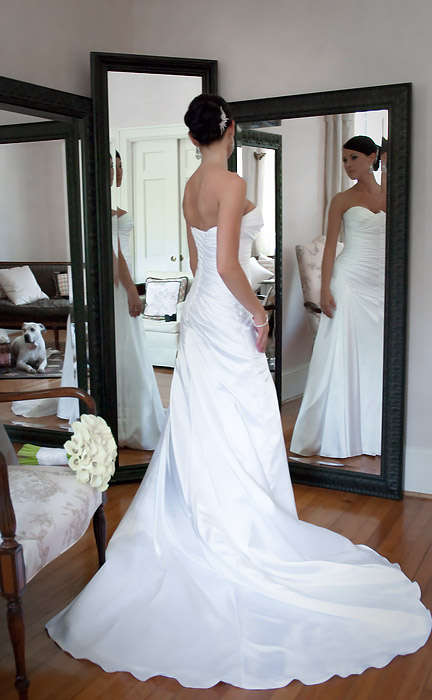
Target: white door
(188,165)
(156,206)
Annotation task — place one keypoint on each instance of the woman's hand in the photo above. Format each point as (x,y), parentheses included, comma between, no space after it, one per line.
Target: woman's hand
(262,331)
(328,304)
(134,302)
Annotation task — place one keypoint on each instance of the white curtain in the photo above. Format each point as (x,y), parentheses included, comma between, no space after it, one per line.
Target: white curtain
(339,128)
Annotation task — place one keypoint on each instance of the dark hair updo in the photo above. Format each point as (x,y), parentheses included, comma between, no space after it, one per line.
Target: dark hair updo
(366,145)
(205,119)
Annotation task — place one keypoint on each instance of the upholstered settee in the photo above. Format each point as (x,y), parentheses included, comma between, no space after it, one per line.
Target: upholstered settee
(163,336)
(52,312)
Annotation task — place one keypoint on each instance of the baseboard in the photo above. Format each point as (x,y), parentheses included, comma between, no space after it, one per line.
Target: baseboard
(418,470)
(294,381)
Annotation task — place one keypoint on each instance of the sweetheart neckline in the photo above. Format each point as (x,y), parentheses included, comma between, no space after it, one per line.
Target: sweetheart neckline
(211,227)
(359,206)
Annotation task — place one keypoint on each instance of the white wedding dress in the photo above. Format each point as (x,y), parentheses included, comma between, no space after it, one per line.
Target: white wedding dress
(341,410)
(211,576)
(141,415)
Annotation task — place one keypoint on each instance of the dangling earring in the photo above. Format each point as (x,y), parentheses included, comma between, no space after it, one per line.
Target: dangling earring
(371,168)
(198,155)
(232,144)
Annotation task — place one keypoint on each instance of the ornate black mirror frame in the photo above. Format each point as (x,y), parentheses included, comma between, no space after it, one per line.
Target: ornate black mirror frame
(101,64)
(397,100)
(70,118)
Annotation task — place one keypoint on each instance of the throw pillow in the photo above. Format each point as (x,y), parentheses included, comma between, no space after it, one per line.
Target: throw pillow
(20,285)
(3,294)
(183,284)
(161,298)
(61,281)
(258,274)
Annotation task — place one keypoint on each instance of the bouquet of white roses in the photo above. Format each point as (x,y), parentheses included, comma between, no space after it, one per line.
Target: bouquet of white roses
(92,451)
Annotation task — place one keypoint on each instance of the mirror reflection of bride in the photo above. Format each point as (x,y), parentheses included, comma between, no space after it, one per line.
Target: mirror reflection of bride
(140,412)
(340,415)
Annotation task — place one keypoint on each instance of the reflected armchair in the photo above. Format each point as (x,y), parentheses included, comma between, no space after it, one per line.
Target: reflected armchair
(309,260)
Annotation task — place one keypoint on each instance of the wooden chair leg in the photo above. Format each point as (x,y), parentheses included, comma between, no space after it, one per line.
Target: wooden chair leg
(15,619)
(56,337)
(99,529)
(12,580)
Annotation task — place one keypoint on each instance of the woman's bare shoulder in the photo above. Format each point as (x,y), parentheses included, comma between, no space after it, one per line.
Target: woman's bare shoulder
(341,201)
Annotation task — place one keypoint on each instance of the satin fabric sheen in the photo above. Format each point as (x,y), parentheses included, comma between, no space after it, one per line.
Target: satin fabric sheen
(211,576)
(341,410)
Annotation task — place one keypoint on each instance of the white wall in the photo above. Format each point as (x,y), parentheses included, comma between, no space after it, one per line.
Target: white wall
(278,47)
(48,42)
(143,99)
(33,202)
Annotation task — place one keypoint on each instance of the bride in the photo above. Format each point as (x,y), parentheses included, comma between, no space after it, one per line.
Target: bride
(341,411)
(140,413)
(211,576)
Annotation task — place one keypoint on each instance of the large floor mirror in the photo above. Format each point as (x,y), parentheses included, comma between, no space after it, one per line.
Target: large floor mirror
(49,256)
(370,342)
(144,158)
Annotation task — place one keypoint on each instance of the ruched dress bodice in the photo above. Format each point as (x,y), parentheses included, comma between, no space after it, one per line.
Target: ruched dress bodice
(211,307)
(362,261)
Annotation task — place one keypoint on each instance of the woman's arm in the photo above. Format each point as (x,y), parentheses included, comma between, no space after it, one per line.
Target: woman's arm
(193,254)
(231,207)
(328,304)
(134,301)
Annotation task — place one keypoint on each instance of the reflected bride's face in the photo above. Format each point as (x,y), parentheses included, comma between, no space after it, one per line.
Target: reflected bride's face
(355,163)
(119,171)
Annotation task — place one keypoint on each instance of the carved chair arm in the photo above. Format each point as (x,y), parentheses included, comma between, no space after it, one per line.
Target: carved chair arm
(72,392)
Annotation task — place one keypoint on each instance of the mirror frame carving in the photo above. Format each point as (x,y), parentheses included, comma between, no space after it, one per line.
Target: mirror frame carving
(101,64)
(397,100)
(71,119)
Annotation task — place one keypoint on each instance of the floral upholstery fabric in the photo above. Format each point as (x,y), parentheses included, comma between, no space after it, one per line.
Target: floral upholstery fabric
(309,258)
(52,509)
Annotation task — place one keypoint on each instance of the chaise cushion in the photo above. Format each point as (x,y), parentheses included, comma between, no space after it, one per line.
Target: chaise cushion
(52,509)
(43,310)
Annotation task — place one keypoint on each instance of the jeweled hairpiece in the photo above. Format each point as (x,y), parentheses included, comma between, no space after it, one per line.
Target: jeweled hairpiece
(223,122)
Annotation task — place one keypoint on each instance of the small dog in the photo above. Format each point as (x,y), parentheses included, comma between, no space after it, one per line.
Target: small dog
(29,349)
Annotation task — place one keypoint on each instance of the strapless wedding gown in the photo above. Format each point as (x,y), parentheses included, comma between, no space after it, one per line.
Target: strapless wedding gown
(141,415)
(341,410)
(211,576)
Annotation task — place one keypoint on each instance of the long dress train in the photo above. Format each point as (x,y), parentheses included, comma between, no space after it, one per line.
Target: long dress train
(211,576)
(341,411)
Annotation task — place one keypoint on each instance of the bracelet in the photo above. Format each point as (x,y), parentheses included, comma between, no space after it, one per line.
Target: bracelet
(261,325)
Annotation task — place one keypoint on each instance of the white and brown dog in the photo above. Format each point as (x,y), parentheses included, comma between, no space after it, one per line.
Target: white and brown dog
(29,349)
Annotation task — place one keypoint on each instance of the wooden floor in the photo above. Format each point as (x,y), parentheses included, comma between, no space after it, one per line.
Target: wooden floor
(401,531)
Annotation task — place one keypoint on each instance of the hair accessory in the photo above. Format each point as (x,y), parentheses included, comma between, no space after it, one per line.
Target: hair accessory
(261,325)
(223,121)
(198,155)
